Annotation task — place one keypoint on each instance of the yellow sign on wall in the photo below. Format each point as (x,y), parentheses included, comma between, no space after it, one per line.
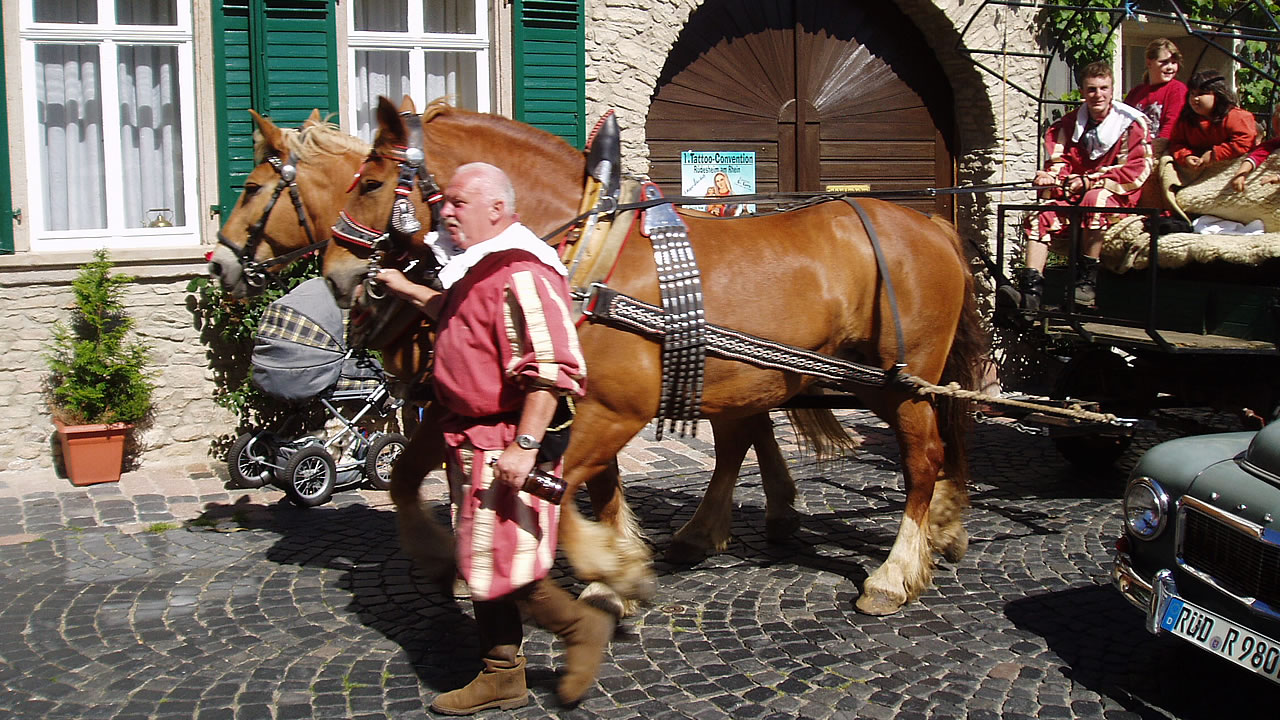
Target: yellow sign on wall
(854,187)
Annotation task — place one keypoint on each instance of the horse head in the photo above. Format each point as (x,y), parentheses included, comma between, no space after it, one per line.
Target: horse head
(371,231)
(288,203)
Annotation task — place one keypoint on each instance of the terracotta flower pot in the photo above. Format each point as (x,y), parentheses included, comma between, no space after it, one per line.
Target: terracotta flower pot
(93,453)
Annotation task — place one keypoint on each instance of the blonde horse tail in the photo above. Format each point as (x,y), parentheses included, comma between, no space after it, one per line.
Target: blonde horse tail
(821,433)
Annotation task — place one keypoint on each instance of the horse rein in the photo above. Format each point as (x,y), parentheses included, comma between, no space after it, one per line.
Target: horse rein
(411,160)
(255,271)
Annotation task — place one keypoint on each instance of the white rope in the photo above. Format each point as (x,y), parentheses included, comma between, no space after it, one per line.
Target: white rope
(1074,410)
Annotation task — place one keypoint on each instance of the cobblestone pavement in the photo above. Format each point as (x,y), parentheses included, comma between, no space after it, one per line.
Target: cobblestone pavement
(113,605)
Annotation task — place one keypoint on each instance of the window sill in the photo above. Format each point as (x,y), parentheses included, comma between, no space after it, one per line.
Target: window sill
(45,268)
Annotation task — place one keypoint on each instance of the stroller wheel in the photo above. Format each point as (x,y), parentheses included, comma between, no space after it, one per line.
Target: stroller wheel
(310,476)
(249,465)
(382,455)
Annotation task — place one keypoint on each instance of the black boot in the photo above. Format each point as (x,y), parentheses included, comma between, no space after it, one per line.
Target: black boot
(1026,296)
(1086,293)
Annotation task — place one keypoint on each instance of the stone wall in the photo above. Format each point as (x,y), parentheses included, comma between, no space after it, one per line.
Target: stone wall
(626,50)
(186,418)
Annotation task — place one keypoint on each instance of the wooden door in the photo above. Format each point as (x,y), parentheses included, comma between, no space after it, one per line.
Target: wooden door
(825,92)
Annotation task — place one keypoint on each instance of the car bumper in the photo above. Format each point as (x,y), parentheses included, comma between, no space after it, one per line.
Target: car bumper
(1133,587)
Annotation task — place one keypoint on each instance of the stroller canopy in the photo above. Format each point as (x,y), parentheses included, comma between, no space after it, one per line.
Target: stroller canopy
(299,349)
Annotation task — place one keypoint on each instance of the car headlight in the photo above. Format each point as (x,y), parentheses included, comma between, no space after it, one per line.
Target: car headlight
(1146,508)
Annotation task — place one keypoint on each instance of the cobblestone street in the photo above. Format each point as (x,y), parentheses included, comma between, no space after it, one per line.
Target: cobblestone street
(113,605)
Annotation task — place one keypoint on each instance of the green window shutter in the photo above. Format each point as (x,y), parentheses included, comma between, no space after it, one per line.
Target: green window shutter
(278,57)
(550,67)
(6,184)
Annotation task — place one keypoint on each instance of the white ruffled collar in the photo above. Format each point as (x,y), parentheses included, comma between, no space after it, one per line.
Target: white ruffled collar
(1108,131)
(515,237)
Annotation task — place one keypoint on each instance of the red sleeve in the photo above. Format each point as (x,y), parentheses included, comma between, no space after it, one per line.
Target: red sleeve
(1263,151)
(1179,144)
(1239,131)
(1175,97)
(541,349)
(1055,148)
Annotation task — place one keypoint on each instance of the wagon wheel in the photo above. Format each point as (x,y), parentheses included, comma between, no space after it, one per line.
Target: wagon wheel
(1099,375)
(382,455)
(310,476)
(250,466)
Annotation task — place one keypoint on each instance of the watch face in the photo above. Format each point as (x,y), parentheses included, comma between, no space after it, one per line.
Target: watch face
(527,442)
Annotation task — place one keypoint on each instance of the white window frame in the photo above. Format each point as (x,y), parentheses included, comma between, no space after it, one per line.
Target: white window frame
(108,38)
(419,43)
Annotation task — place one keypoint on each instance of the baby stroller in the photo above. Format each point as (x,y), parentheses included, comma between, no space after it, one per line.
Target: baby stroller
(299,355)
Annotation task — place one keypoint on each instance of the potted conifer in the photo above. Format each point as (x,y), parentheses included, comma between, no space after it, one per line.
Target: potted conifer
(98,387)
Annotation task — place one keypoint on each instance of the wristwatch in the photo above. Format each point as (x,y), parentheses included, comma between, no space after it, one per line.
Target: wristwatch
(527,442)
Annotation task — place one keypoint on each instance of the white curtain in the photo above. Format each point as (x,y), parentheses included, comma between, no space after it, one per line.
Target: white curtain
(450,16)
(69,104)
(382,15)
(150,134)
(453,75)
(378,74)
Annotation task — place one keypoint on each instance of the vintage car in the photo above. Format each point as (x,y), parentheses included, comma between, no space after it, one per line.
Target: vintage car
(1200,554)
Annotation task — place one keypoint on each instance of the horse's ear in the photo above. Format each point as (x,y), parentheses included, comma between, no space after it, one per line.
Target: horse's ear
(267,137)
(390,124)
(315,118)
(407,106)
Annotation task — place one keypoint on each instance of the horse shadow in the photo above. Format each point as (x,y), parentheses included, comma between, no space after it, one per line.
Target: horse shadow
(1103,646)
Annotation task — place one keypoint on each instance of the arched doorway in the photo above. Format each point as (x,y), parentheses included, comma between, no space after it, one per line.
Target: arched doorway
(823,92)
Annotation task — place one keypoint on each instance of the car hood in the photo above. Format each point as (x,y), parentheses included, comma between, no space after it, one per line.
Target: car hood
(1245,483)
(1263,456)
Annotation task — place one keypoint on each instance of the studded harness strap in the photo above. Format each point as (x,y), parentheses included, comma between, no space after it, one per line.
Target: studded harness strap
(684,355)
(255,271)
(402,224)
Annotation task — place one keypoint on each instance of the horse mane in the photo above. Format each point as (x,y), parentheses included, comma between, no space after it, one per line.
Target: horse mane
(310,141)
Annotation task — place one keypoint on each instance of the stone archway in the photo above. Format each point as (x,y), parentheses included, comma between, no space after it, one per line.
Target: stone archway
(825,93)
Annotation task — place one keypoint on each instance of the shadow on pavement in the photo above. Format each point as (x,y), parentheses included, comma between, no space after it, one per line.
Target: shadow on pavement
(1154,677)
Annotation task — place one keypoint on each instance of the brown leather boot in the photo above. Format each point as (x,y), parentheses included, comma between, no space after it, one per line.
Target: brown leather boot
(585,630)
(501,684)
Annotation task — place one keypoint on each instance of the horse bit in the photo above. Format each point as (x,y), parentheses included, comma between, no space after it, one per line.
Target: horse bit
(255,272)
(413,172)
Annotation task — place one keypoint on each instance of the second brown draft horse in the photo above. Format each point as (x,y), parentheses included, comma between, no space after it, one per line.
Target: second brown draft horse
(807,278)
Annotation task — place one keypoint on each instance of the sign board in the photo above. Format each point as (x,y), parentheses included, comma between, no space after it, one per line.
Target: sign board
(713,174)
(849,187)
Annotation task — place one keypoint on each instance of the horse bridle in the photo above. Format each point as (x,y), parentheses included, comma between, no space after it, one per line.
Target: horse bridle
(403,222)
(255,271)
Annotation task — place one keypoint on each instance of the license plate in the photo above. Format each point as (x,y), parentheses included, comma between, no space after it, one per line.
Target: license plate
(1223,638)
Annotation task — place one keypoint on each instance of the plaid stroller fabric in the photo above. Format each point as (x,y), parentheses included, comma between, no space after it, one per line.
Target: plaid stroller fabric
(299,351)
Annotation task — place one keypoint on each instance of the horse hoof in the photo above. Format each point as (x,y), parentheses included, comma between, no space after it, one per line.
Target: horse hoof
(877,604)
(683,552)
(781,529)
(601,596)
(954,551)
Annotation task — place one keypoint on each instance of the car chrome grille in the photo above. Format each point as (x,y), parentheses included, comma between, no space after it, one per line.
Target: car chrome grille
(1237,561)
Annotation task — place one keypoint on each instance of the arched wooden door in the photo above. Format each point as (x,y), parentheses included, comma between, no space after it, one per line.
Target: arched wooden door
(825,92)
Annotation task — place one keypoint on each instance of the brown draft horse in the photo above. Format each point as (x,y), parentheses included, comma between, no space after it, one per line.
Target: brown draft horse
(807,278)
(326,158)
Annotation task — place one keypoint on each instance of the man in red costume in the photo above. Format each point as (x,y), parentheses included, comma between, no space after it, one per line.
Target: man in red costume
(506,351)
(1098,156)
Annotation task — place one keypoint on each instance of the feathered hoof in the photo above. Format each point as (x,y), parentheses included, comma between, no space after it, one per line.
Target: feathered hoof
(600,595)
(955,548)
(781,529)
(878,604)
(683,552)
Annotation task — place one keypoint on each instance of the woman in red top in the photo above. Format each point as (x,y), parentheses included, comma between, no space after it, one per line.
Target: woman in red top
(1161,95)
(1211,127)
